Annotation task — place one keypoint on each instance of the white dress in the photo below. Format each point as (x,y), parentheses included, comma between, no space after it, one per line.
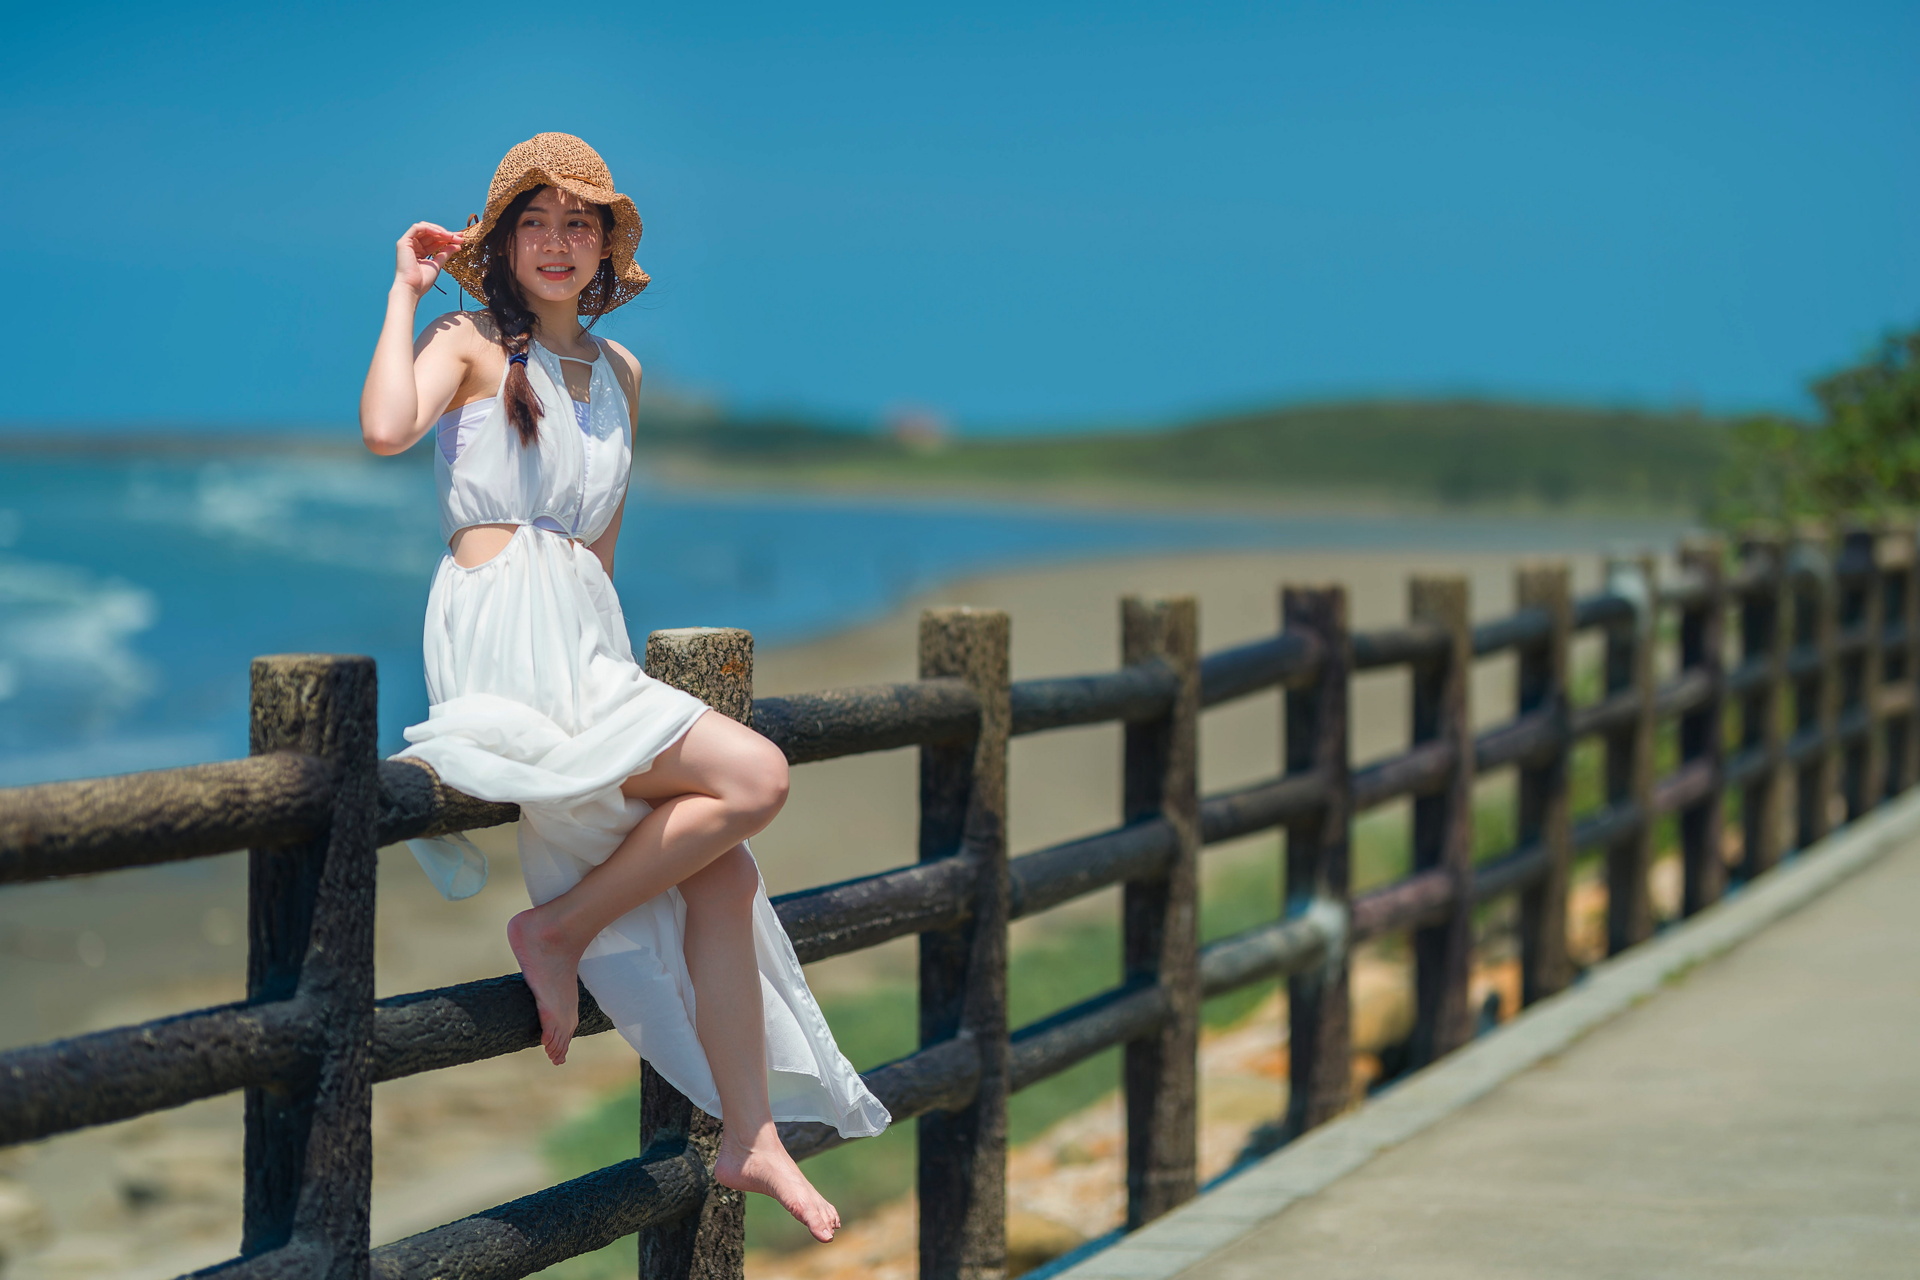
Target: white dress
(535,699)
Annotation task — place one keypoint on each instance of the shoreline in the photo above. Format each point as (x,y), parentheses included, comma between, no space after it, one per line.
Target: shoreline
(1254,501)
(698,473)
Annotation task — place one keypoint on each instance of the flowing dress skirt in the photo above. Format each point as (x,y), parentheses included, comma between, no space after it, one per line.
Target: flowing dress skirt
(535,699)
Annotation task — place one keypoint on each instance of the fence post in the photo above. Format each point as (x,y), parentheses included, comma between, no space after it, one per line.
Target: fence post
(1903,663)
(963,972)
(1319,861)
(1766,634)
(1862,605)
(1443,820)
(1629,661)
(309,1144)
(1816,694)
(1545,811)
(1162,926)
(1703,729)
(715,665)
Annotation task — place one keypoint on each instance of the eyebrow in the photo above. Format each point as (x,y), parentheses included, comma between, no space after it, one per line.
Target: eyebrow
(541,208)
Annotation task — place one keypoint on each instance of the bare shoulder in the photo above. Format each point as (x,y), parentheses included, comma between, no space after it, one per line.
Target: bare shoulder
(625,367)
(464,332)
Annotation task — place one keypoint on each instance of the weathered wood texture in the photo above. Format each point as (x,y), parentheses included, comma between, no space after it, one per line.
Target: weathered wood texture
(1862,609)
(1541,791)
(414,802)
(1816,691)
(842,722)
(1703,640)
(101,824)
(1248,668)
(1316,742)
(129,1071)
(715,665)
(1630,761)
(1903,658)
(962,1180)
(1161,913)
(1766,631)
(1443,818)
(309,1142)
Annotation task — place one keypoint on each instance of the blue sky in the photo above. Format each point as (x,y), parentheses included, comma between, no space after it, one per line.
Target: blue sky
(1017,215)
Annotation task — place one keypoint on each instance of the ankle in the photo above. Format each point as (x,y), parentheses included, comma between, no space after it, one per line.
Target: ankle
(547,930)
(751,1139)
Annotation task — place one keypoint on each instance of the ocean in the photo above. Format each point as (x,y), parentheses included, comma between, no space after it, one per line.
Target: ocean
(135,589)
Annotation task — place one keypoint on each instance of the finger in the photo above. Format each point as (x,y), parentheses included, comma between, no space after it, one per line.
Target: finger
(425,233)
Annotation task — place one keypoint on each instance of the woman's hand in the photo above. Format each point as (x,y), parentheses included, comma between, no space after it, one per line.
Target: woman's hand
(420,255)
(409,382)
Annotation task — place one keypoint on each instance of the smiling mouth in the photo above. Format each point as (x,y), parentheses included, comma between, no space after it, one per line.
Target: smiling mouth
(557,271)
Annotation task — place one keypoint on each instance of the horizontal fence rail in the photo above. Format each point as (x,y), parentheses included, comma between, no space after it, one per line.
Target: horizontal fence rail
(1793,693)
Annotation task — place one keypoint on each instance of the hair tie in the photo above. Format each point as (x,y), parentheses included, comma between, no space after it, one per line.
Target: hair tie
(519,359)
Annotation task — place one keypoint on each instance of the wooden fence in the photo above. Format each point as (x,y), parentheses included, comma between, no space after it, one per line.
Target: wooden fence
(1811,723)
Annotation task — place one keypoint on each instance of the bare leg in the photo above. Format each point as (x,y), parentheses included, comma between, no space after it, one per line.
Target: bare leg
(726,982)
(719,784)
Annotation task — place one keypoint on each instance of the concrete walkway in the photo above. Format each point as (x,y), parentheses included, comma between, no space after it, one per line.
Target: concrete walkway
(1757,1114)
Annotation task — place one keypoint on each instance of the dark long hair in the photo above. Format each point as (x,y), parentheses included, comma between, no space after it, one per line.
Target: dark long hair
(513,318)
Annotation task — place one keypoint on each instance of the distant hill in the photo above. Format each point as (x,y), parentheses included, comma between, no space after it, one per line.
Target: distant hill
(1446,451)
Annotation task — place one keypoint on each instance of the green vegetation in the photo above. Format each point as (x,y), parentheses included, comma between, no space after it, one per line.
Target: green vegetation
(1450,452)
(1863,456)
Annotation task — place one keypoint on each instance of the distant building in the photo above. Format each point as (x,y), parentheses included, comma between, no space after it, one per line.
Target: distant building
(918,429)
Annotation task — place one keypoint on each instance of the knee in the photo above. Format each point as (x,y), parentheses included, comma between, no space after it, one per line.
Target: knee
(727,884)
(757,791)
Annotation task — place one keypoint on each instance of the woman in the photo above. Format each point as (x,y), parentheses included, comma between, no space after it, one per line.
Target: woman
(635,804)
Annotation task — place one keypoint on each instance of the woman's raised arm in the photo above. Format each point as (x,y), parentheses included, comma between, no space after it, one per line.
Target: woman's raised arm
(410,382)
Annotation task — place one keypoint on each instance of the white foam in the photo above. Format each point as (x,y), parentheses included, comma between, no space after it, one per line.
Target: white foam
(65,633)
(341,512)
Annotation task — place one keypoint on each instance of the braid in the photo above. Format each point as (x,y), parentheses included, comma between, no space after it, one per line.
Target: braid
(514,323)
(513,320)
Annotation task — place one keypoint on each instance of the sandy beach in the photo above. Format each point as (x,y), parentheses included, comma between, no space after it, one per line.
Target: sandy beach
(160,1195)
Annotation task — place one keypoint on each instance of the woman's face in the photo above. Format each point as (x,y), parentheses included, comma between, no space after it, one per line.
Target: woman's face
(557,245)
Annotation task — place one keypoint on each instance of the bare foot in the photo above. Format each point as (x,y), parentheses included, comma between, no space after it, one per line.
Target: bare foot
(552,971)
(764,1166)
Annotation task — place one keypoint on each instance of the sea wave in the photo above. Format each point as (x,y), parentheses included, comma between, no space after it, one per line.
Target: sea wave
(68,670)
(345,513)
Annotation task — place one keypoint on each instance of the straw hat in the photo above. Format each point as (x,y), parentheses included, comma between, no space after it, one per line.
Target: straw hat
(564,161)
